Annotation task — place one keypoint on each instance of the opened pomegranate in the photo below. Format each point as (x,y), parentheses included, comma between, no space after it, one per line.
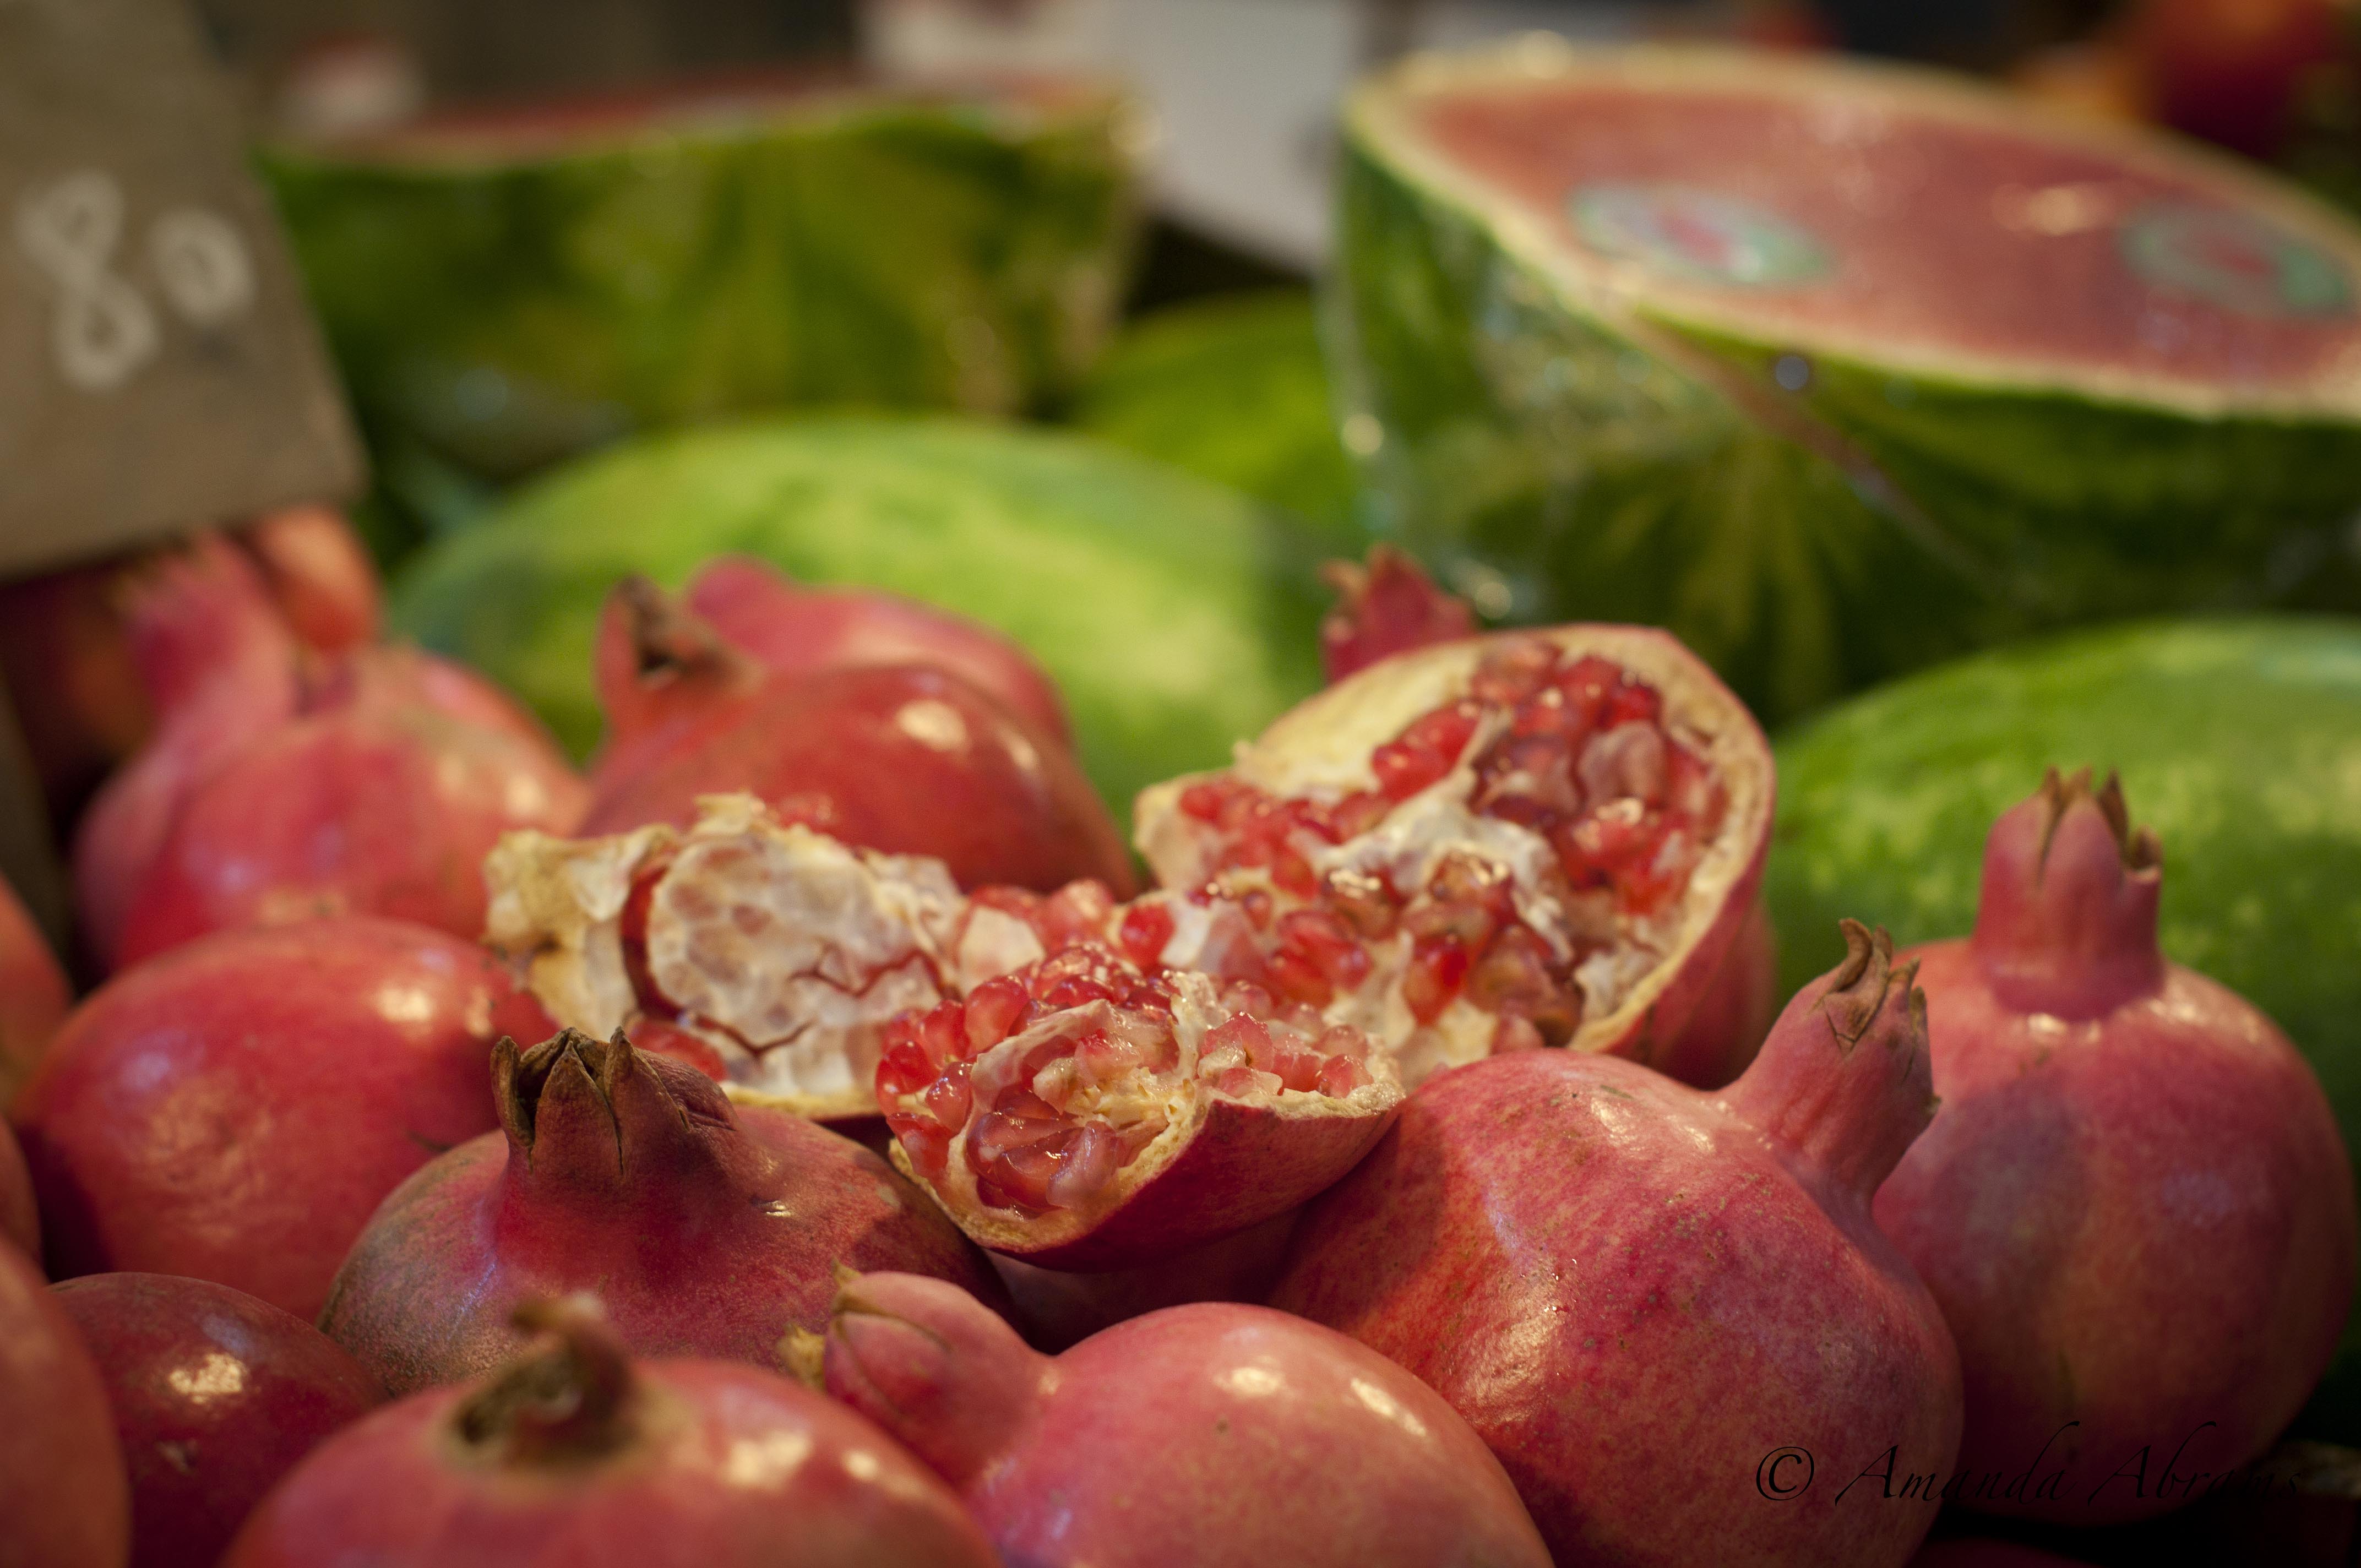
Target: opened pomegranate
(278,787)
(216,1395)
(794,629)
(1388,605)
(20,1214)
(573,1453)
(2133,1205)
(66,648)
(907,759)
(34,995)
(63,1501)
(1587,1260)
(235,1109)
(1198,1435)
(706,1229)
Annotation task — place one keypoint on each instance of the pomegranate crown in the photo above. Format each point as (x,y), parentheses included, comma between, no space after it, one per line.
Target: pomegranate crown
(667,638)
(1857,992)
(1388,605)
(2066,923)
(568,1399)
(587,1112)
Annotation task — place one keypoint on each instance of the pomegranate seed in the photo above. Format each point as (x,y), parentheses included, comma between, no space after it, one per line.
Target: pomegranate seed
(943,1033)
(1299,1070)
(1027,1170)
(1245,1035)
(1424,751)
(1367,904)
(1298,977)
(1293,874)
(1552,713)
(1631,703)
(1145,928)
(1076,912)
(1511,674)
(1515,1034)
(1086,1165)
(949,1098)
(1339,1076)
(1513,972)
(1358,813)
(1244,996)
(929,1150)
(1204,799)
(1238,1083)
(1257,905)
(993,1011)
(1320,937)
(1627,761)
(1437,967)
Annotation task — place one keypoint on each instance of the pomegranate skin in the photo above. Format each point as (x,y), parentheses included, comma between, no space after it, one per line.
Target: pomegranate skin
(235,1109)
(1634,1291)
(792,630)
(904,758)
(706,1229)
(2134,1206)
(63,1501)
(1198,1435)
(572,1456)
(216,1395)
(20,1213)
(320,576)
(34,995)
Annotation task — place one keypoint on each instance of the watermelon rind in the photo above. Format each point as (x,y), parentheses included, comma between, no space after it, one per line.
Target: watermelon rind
(502,297)
(1570,436)
(1232,390)
(2238,739)
(1176,616)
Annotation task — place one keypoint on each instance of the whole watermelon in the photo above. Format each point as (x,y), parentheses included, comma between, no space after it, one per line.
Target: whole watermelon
(1177,616)
(1835,369)
(1232,390)
(2239,741)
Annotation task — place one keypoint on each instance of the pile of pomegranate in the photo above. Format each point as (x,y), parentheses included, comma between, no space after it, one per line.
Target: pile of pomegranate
(808,1136)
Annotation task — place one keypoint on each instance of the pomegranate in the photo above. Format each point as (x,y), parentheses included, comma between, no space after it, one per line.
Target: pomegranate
(1586,1259)
(705,1230)
(276,790)
(905,758)
(573,1453)
(1388,605)
(2237,72)
(1198,1435)
(66,654)
(34,995)
(235,1109)
(2135,1207)
(791,630)
(20,1213)
(63,1501)
(216,1395)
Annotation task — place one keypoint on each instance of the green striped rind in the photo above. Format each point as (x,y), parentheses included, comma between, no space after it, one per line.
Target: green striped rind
(1177,616)
(2238,741)
(504,310)
(1563,453)
(1232,390)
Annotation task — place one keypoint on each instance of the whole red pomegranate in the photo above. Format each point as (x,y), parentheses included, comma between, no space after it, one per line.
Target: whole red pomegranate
(34,995)
(705,1229)
(908,758)
(235,1109)
(792,630)
(1213,1433)
(1667,1312)
(216,1395)
(573,1453)
(20,1214)
(278,787)
(63,1501)
(2134,1206)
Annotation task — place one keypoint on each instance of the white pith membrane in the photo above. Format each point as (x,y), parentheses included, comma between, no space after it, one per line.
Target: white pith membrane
(1319,944)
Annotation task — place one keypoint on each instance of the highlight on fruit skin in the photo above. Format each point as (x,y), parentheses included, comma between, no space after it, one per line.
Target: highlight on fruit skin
(2133,1205)
(1616,1278)
(574,1451)
(1248,1436)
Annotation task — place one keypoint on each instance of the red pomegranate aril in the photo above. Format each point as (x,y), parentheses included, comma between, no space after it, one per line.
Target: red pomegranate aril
(1438,966)
(1145,928)
(950,1098)
(1086,1163)
(1301,1069)
(1321,939)
(1626,761)
(1514,674)
(1205,801)
(1300,979)
(991,1013)
(1631,703)
(1241,1033)
(1291,873)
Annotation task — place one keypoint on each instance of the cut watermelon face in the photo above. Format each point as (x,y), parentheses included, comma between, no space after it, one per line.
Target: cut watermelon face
(1832,367)
(506,287)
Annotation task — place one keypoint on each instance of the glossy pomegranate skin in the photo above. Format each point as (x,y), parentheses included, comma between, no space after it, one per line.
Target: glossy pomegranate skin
(34,995)
(903,759)
(216,1395)
(792,630)
(1635,1291)
(63,1501)
(235,1109)
(705,1228)
(2134,1206)
(1199,1434)
(700,1464)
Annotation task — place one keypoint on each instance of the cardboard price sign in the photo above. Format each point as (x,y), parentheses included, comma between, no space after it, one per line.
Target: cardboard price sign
(159,370)
(159,366)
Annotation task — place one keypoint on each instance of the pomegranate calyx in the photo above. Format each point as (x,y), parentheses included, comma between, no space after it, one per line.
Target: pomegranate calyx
(592,1115)
(933,1365)
(570,1400)
(1849,1114)
(668,641)
(2066,923)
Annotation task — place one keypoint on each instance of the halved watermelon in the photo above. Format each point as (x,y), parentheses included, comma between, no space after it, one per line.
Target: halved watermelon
(1834,368)
(503,288)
